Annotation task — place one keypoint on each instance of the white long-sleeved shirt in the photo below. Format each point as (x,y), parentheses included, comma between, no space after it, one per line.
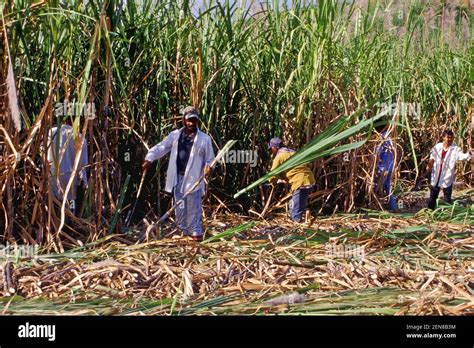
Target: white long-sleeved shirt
(61,156)
(201,155)
(453,155)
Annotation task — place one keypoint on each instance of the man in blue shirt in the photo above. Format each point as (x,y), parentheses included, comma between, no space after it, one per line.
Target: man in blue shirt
(385,162)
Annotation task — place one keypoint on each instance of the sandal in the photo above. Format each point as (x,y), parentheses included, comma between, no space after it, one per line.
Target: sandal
(197,238)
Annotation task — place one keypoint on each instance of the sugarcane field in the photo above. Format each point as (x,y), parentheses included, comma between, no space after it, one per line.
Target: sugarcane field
(237,158)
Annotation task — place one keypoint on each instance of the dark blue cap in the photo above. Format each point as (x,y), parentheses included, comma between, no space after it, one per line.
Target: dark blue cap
(275,142)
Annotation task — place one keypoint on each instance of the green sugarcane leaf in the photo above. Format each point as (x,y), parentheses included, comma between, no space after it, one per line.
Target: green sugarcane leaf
(318,147)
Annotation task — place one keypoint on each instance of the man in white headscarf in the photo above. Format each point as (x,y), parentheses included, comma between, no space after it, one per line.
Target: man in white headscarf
(62,153)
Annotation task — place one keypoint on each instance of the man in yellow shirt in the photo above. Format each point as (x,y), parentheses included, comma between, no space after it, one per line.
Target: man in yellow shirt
(301,178)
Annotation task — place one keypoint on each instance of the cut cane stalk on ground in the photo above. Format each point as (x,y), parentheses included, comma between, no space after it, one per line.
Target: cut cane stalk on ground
(246,269)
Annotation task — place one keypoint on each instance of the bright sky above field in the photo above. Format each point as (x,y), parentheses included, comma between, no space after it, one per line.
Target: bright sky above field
(202,4)
(241,2)
(247,3)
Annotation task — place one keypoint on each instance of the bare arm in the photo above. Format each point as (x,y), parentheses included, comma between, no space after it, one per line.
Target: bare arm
(422,176)
(429,167)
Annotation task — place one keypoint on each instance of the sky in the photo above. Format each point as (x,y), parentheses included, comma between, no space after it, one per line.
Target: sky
(200,3)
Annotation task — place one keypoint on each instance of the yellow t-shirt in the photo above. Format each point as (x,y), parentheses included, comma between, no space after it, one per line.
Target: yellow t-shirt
(296,177)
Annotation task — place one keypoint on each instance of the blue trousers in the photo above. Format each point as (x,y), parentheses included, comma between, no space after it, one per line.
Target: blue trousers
(392,205)
(298,203)
(188,213)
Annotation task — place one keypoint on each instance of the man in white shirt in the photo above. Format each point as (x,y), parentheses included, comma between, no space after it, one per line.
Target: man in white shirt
(442,165)
(61,156)
(191,154)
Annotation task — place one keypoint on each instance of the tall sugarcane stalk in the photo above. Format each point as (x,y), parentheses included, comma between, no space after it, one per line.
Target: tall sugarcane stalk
(130,213)
(257,74)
